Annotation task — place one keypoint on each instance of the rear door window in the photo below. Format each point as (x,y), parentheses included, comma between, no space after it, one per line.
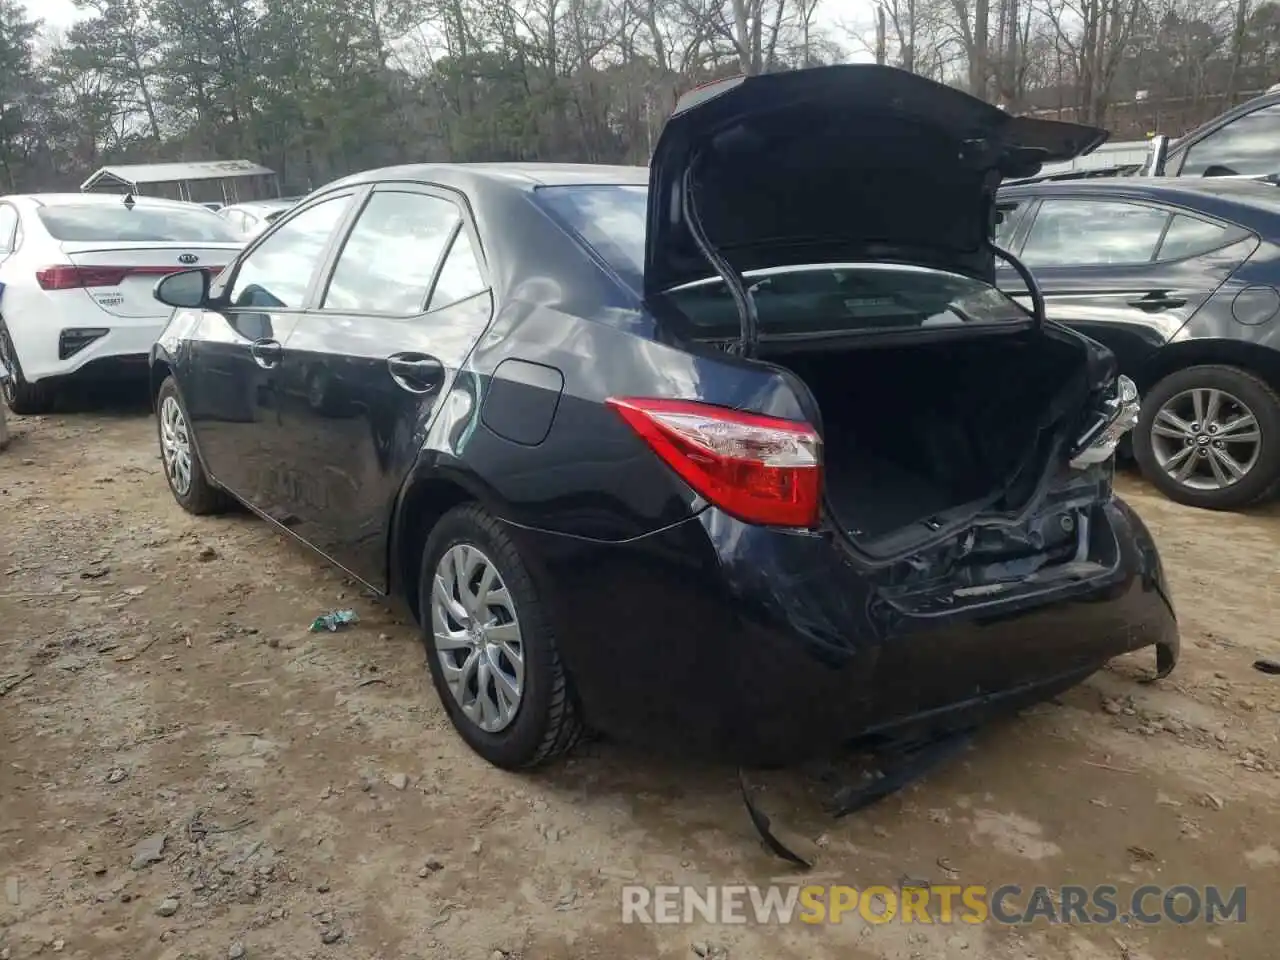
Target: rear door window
(460,277)
(1190,237)
(1080,232)
(391,254)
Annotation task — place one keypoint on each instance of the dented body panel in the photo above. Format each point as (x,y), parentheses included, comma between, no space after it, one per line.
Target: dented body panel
(678,624)
(741,641)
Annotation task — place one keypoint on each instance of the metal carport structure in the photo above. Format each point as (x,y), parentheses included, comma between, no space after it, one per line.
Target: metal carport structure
(182,181)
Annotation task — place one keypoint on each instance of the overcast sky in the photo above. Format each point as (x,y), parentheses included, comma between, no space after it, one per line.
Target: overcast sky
(56,13)
(60,14)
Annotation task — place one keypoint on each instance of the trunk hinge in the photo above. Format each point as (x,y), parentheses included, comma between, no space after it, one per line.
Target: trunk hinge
(1033,288)
(748,319)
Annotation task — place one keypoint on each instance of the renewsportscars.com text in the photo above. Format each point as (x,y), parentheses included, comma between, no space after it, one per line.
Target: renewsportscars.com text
(1009,904)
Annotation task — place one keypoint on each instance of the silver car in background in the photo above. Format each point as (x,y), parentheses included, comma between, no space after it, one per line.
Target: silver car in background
(254,216)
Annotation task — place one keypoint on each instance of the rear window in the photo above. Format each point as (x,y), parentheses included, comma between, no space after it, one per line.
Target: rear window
(105,221)
(848,298)
(610,218)
(796,300)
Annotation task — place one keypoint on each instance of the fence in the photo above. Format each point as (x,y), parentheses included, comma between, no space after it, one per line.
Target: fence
(1171,116)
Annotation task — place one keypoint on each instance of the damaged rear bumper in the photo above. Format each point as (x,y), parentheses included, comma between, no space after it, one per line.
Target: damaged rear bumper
(763,647)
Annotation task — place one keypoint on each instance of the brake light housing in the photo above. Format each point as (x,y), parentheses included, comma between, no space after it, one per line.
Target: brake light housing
(760,469)
(66,276)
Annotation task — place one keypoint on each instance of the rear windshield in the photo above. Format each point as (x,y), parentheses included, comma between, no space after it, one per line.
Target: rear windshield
(106,221)
(822,298)
(609,218)
(847,298)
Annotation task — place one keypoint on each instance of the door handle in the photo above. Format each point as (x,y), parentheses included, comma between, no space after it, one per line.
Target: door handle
(266,353)
(1158,301)
(416,372)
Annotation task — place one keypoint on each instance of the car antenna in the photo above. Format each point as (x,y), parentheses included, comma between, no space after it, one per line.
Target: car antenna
(129,201)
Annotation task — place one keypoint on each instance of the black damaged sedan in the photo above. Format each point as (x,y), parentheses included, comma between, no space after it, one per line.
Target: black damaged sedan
(743,452)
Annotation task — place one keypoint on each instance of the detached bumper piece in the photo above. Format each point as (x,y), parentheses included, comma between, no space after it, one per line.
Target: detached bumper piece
(1166,660)
(901,763)
(71,342)
(760,820)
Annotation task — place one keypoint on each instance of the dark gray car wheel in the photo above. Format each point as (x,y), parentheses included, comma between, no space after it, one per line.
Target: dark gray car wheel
(490,646)
(1209,437)
(183,470)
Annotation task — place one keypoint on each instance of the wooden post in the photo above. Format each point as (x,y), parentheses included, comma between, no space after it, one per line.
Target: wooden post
(882,54)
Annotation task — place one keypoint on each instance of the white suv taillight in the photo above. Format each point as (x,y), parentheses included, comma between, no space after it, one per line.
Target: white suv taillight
(760,469)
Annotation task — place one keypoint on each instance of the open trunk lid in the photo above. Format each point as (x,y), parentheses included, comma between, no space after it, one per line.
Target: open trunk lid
(835,164)
(119,276)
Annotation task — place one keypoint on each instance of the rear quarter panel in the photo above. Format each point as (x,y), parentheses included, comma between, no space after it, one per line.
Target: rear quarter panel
(1246,308)
(584,472)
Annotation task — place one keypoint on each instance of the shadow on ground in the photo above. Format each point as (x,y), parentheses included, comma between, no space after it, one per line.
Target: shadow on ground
(127,399)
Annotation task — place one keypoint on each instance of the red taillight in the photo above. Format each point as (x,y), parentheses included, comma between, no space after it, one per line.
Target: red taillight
(68,277)
(759,469)
(65,276)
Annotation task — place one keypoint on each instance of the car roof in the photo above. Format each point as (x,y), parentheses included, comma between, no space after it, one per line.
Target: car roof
(1250,202)
(263,204)
(91,199)
(1268,98)
(513,174)
(1157,188)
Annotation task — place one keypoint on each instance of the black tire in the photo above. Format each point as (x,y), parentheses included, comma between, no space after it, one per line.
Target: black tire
(546,723)
(201,497)
(1262,401)
(24,399)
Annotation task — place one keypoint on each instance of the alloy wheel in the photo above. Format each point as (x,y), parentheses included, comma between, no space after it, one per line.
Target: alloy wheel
(1205,439)
(175,445)
(477,637)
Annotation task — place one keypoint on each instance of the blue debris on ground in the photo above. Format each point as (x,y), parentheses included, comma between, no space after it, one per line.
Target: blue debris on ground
(334,621)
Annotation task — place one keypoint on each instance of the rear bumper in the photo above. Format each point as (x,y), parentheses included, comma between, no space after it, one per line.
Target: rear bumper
(760,646)
(122,350)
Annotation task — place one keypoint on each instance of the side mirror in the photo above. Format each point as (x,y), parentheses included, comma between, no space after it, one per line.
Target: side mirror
(1157,156)
(189,288)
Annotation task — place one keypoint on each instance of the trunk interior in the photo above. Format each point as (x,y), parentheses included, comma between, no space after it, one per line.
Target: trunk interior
(911,432)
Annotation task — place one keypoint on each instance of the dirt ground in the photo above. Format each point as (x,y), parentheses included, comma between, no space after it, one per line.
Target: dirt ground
(157,680)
